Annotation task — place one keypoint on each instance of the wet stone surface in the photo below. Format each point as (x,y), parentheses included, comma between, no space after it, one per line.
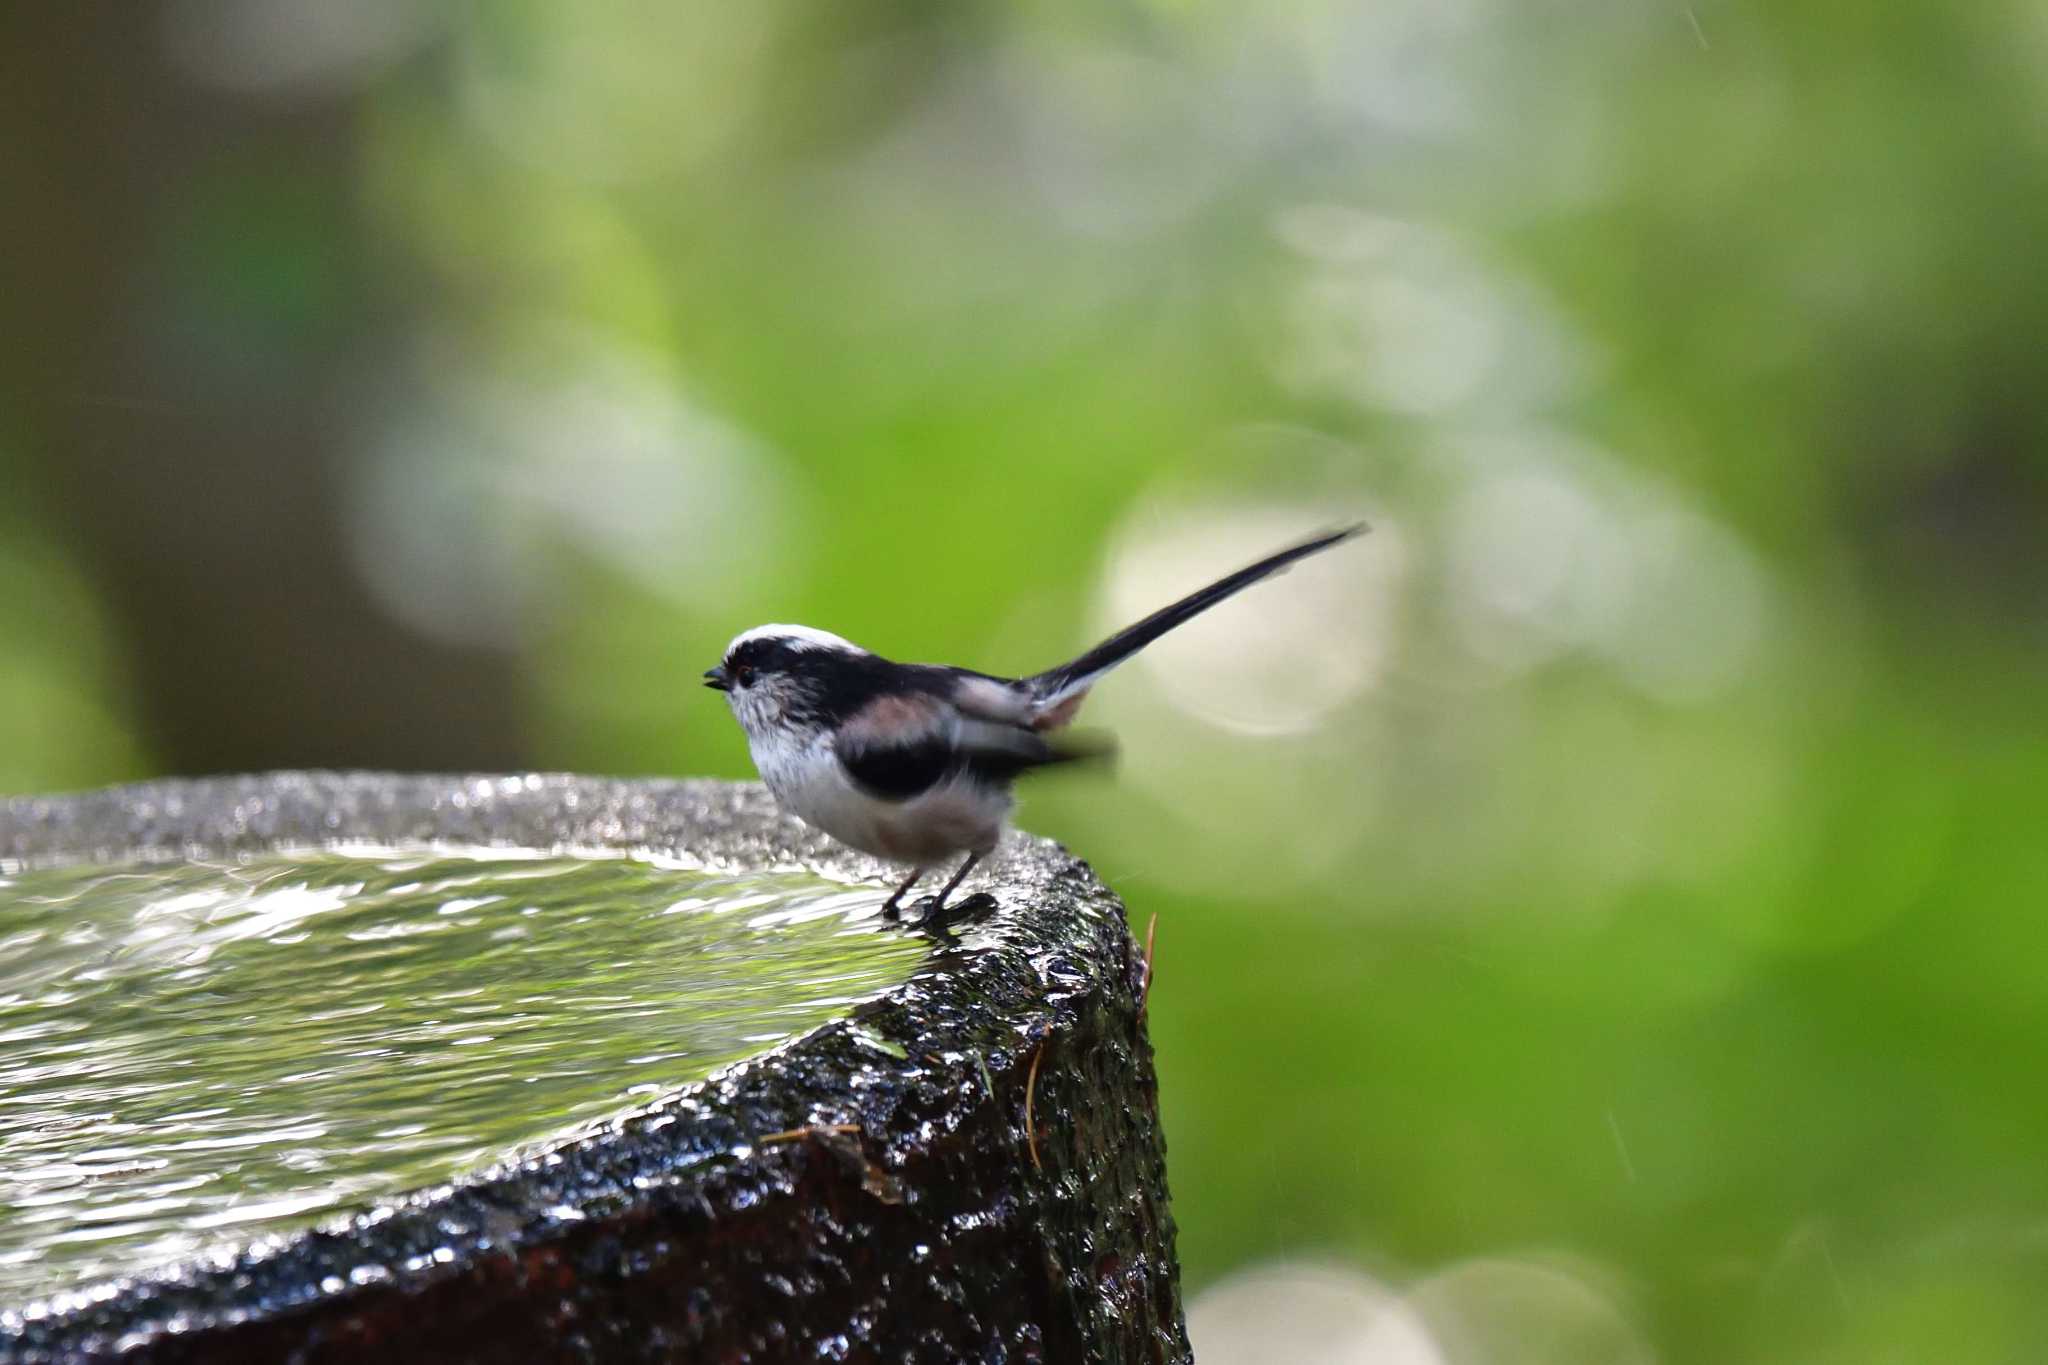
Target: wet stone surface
(205,1051)
(968,1168)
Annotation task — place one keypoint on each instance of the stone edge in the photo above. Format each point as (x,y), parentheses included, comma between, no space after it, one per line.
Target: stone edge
(509,1209)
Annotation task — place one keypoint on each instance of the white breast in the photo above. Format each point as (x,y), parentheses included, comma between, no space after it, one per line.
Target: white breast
(952,818)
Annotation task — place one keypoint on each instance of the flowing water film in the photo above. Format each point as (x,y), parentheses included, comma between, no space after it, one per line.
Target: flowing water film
(194,1053)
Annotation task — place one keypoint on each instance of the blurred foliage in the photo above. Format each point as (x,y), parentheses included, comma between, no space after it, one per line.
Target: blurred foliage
(1653,886)
(60,691)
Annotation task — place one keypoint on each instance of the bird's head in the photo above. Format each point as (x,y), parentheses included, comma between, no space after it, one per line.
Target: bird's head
(775,677)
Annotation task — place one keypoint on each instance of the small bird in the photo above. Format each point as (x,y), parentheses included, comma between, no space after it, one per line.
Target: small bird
(914,762)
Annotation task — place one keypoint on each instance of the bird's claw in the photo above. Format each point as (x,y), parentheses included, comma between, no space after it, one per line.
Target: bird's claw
(980,903)
(939,918)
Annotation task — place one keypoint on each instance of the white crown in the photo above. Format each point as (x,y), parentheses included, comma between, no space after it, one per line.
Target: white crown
(799,637)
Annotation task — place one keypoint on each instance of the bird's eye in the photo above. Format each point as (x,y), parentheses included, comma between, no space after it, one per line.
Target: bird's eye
(744,675)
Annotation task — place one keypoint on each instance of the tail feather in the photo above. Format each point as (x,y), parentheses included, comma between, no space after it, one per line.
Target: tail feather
(1054,689)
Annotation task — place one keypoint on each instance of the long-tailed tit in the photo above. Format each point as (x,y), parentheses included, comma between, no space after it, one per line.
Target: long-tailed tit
(914,762)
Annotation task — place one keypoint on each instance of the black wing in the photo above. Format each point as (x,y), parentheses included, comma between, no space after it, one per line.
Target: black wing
(901,747)
(897,770)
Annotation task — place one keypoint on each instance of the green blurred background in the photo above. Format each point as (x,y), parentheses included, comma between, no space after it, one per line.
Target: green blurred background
(1599,915)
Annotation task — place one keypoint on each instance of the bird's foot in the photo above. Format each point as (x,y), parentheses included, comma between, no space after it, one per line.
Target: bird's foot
(939,918)
(973,907)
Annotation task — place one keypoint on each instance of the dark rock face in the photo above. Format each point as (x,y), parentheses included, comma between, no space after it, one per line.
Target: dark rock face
(996,1194)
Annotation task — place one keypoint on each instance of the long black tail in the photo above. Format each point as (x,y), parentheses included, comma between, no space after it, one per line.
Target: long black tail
(1057,684)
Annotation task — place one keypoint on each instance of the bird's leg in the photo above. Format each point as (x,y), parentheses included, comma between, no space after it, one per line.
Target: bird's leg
(889,906)
(936,915)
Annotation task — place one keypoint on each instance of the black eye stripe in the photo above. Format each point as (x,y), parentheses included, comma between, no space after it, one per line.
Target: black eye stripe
(761,654)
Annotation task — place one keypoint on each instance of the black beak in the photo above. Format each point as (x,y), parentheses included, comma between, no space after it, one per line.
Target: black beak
(715,677)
